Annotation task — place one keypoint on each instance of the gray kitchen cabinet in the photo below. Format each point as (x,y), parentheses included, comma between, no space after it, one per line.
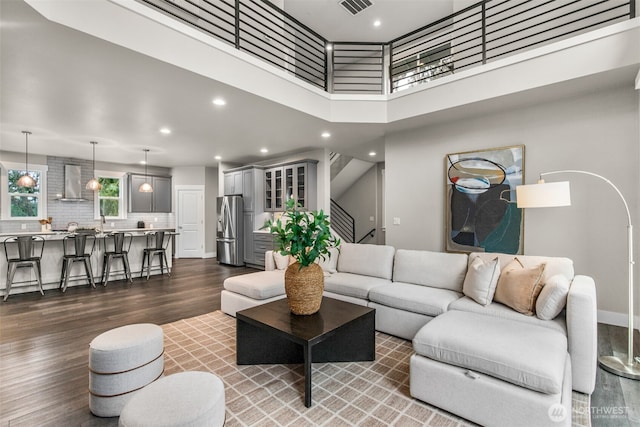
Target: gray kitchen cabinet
(252,185)
(262,242)
(157,201)
(273,190)
(233,183)
(291,180)
(249,254)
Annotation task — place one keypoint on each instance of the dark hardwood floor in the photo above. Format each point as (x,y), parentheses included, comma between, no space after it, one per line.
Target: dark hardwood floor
(44,343)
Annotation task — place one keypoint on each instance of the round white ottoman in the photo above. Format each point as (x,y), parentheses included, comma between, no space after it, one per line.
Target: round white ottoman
(188,399)
(122,361)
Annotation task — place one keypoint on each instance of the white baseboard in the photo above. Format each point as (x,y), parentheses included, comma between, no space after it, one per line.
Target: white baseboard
(209,255)
(617,319)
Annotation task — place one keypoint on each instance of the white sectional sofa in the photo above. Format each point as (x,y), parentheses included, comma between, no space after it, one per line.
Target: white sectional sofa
(483,361)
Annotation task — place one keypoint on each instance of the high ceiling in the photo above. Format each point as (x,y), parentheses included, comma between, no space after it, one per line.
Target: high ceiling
(69,88)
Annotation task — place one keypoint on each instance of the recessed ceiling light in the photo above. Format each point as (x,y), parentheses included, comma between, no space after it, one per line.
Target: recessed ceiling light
(219,101)
(217,157)
(377,23)
(264,150)
(142,162)
(165,131)
(325,134)
(372,153)
(329,47)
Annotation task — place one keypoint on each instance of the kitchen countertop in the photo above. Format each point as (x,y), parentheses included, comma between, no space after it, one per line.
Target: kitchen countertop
(55,235)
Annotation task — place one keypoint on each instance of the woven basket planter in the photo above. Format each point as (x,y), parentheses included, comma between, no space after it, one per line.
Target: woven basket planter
(304,288)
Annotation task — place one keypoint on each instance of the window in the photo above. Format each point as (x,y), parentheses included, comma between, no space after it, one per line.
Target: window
(109,201)
(24,202)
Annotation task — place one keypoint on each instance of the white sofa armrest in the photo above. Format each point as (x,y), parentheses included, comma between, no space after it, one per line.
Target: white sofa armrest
(582,333)
(269,262)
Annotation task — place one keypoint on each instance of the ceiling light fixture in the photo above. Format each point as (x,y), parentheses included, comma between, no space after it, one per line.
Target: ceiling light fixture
(165,131)
(329,47)
(26,180)
(145,187)
(219,101)
(217,157)
(377,23)
(94,184)
(325,134)
(264,150)
(372,153)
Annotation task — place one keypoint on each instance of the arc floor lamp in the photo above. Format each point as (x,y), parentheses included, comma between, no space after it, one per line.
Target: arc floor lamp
(558,194)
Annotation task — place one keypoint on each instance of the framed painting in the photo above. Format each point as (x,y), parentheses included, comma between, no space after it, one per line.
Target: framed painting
(481,214)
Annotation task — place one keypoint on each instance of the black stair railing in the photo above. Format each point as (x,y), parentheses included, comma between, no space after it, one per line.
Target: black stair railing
(478,34)
(342,223)
(370,234)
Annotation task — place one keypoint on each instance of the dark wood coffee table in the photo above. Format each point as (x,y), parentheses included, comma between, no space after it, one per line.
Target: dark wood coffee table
(339,332)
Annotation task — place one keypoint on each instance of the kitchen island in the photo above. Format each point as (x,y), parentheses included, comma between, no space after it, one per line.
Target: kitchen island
(25,278)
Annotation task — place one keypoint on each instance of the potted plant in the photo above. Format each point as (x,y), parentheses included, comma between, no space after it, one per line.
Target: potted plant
(306,237)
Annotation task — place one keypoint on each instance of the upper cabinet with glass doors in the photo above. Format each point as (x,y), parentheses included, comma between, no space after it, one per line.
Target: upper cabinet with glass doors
(291,180)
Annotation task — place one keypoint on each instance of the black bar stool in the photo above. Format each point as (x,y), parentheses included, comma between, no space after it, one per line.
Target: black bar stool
(77,252)
(22,251)
(114,248)
(157,244)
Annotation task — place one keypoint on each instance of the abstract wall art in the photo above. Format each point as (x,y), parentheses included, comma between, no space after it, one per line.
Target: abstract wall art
(478,186)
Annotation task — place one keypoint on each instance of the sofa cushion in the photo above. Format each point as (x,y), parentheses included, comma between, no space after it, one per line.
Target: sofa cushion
(481,280)
(554,265)
(368,260)
(496,309)
(417,299)
(553,297)
(353,285)
(260,285)
(519,287)
(523,354)
(435,269)
(282,261)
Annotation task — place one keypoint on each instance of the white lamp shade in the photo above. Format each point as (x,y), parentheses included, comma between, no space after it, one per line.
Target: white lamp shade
(94,185)
(145,187)
(544,195)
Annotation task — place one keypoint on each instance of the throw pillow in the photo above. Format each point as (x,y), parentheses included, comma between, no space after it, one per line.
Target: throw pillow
(553,297)
(519,287)
(282,261)
(329,264)
(481,280)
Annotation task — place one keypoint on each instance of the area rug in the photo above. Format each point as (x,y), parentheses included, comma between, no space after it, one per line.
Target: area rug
(344,394)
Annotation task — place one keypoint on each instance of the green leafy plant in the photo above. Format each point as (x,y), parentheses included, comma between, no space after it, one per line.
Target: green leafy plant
(303,235)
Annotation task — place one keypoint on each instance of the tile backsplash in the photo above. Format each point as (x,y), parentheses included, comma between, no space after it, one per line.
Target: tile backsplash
(81,212)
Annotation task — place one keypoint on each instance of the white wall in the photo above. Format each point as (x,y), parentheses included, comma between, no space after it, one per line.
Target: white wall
(598,132)
(362,202)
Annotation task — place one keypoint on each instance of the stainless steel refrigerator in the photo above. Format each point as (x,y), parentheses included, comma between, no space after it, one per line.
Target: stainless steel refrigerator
(229,237)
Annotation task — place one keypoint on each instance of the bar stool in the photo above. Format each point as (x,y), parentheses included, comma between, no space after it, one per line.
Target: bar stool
(20,252)
(79,253)
(157,244)
(114,248)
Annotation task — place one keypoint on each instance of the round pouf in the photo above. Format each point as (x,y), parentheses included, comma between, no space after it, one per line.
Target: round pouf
(188,399)
(121,362)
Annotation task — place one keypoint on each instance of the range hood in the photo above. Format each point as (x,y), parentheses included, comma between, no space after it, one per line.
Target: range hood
(72,184)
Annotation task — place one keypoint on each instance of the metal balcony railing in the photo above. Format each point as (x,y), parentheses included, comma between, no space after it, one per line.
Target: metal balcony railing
(476,35)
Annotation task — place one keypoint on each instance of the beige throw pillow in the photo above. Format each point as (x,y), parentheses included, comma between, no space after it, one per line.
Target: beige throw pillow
(519,287)
(481,280)
(553,297)
(282,261)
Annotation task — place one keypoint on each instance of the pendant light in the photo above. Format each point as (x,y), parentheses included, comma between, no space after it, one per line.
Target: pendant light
(26,180)
(145,187)
(94,184)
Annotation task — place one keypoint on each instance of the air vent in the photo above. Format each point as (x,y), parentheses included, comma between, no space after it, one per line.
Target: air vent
(355,6)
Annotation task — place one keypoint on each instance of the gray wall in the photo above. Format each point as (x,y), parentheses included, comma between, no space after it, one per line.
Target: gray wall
(598,132)
(363,201)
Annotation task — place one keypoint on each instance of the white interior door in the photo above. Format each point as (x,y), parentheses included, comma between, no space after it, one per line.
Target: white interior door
(190,223)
